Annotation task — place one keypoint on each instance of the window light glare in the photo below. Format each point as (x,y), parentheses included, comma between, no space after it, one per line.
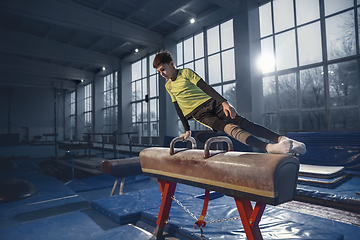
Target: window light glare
(192,20)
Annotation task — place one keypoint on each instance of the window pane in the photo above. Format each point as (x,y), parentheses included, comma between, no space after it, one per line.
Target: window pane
(199,45)
(283,15)
(285,50)
(265,20)
(154,129)
(72,120)
(200,68)
(269,93)
(144,111)
(153,86)
(116,96)
(333,6)
(133,112)
(136,70)
(312,88)
(152,70)
(271,121)
(213,43)
(345,119)
(343,84)
(228,65)
(144,87)
(153,110)
(145,129)
(287,91)
(227,35)
(313,121)
(144,65)
(138,112)
(340,35)
(230,93)
(289,122)
(179,54)
(306,11)
(218,89)
(189,65)
(133,89)
(138,90)
(188,50)
(309,44)
(267,61)
(116,79)
(214,69)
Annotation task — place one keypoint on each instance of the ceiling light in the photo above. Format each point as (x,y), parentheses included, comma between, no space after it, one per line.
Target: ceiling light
(82,80)
(192,20)
(136,50)
(103,68)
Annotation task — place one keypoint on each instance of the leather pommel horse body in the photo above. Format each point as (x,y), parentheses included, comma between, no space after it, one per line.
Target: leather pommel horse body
(263,178)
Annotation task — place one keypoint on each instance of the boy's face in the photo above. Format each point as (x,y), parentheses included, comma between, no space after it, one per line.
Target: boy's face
(167,70)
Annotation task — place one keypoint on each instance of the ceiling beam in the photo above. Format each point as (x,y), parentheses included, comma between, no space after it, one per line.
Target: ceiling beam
(29,45)
(17,64)
(233,6)
(74,15)
(26,80)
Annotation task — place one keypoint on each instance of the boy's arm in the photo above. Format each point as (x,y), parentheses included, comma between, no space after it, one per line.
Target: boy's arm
(183,121)
(228,109)
(209,90)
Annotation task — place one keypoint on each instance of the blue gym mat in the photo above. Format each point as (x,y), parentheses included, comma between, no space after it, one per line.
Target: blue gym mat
(276,223)
(100,181)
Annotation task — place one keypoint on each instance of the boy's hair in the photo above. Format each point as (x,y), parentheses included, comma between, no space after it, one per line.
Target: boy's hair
(162,58)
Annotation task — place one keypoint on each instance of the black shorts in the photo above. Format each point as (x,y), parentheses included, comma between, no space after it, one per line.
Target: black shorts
(212,115)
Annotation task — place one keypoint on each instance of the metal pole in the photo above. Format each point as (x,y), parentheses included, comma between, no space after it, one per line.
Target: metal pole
(56,157)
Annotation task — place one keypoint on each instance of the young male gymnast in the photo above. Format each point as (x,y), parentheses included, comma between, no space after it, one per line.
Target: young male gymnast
(194,98)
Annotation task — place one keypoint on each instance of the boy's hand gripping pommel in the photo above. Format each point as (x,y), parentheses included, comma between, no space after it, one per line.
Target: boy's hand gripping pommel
(185,135)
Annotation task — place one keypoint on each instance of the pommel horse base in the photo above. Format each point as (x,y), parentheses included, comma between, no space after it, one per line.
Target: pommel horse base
(259,177)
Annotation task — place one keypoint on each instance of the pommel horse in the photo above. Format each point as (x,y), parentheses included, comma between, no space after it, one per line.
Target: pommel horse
(259,177)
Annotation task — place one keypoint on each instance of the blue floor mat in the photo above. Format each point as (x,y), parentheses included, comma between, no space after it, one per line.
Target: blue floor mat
(100,181)
(273,225)
(72,226)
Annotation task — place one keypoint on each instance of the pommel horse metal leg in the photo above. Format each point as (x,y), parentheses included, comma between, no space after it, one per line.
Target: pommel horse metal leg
(250,217)
(167,190)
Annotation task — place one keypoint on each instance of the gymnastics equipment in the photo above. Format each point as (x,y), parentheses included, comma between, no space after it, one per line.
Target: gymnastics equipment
(121,168)
(246,176)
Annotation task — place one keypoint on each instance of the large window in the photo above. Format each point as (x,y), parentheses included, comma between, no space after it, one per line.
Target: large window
(110,102)
(211,55)
(310,59)
(145,100)
(72,114)
(88,108)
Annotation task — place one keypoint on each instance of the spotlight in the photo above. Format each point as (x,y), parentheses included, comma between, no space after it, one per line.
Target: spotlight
(136,50)
(192,20)
(82,80)
(103,68)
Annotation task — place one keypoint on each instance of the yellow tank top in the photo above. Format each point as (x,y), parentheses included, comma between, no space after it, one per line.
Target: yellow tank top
(184,91)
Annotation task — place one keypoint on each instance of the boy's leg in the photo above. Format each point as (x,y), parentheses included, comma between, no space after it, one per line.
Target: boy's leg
(281,144)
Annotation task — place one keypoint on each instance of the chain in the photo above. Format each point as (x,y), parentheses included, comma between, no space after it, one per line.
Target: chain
(185,208)
(193,215)
(223,220)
